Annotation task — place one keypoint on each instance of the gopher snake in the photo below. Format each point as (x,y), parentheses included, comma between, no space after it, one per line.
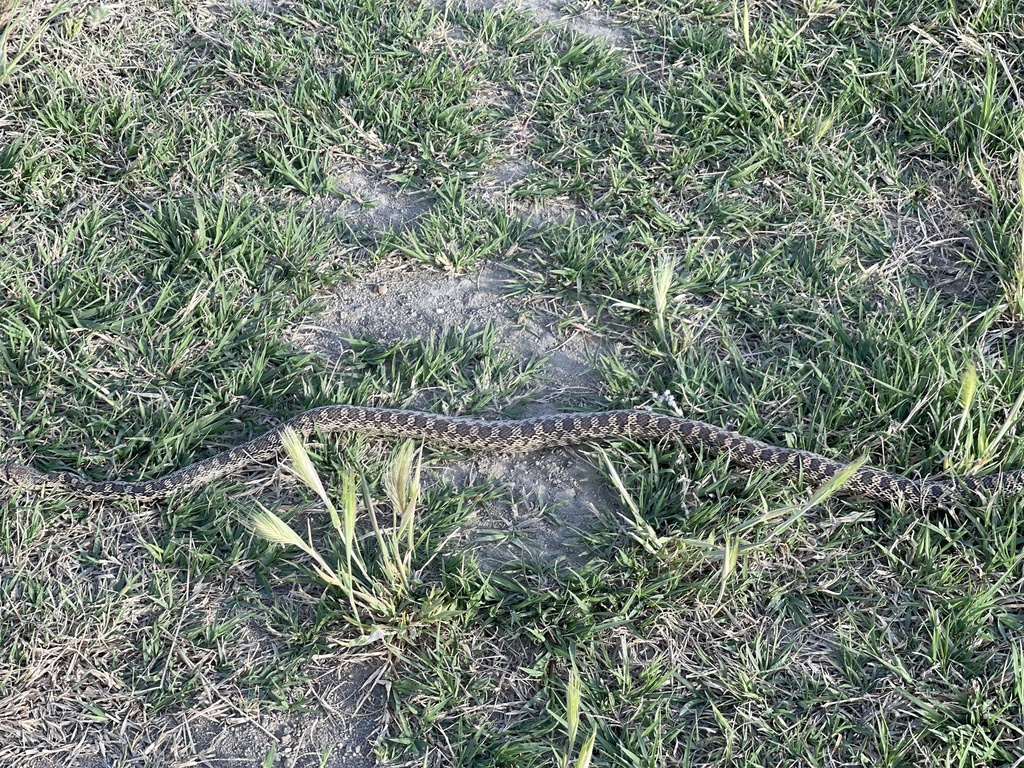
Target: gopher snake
(519,437)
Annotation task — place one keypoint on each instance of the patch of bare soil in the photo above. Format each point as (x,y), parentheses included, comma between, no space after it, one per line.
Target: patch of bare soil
(933,241)
(372,202)
(395,303)
(590,23)
(547,498)
(338,732)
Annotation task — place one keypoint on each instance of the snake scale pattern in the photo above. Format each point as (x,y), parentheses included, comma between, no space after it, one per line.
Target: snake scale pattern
(521,436)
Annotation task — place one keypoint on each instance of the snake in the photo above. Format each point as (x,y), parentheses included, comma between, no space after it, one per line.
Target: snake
(525,435)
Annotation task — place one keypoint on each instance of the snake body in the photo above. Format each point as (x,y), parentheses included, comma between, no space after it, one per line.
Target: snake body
(521,436)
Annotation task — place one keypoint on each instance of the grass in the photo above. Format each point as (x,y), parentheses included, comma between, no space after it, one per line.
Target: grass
(804,222)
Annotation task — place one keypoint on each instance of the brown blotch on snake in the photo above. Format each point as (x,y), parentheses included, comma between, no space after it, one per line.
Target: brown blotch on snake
(524,435)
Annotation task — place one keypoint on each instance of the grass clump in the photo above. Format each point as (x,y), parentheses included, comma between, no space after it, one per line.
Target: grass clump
(377,586)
